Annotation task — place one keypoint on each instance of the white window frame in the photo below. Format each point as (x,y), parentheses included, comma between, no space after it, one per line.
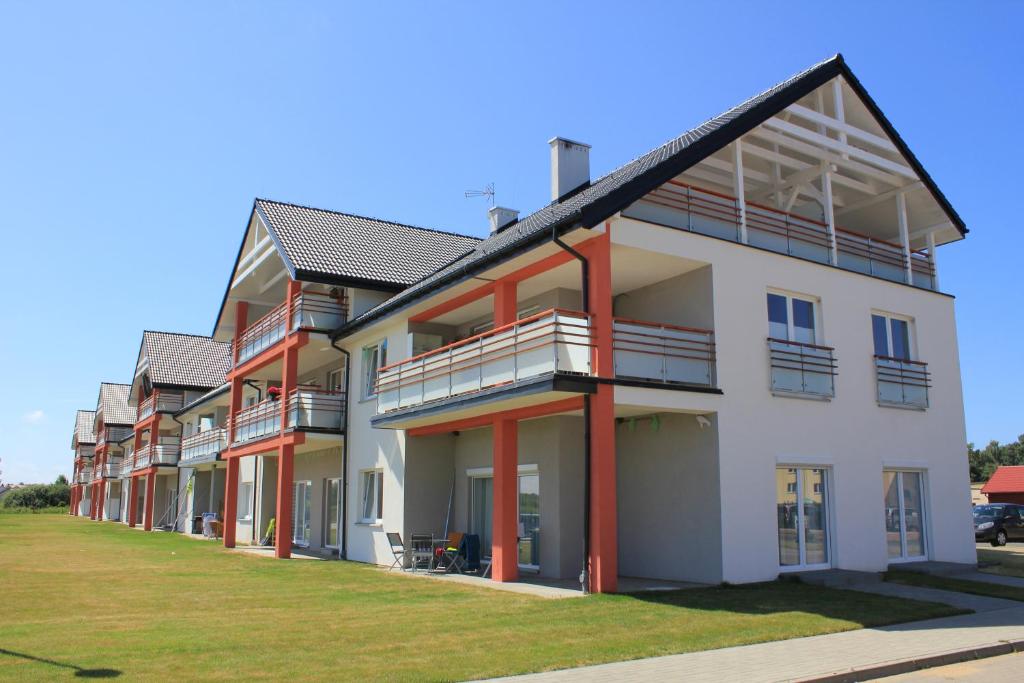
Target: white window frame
(336,380)
(371,482)
(291,532)
(925,511)
(829,523)
(244,502)
(369,388)
(911,332)
(819,337)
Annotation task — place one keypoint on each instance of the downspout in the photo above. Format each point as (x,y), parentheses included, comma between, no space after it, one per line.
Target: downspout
(585,274)
(343,550)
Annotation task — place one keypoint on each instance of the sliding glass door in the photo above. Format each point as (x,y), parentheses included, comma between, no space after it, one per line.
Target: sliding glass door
(481,515)
(332,508)
(301,508)
(802,513)
(904,515)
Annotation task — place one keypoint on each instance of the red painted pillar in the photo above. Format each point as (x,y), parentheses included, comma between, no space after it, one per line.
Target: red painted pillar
(92,501)
(283,530)
(71,506)
(505,519)
(100,500)
(505,309)
(133,500)
(147,522)
(604,551)
(230,502)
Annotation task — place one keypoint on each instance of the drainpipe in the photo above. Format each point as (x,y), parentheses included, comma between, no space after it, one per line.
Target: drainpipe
(251,383)
(343,550)
(585,275)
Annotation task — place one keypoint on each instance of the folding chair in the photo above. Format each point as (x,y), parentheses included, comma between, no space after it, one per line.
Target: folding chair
(455,552)
(398,550)
(422,550)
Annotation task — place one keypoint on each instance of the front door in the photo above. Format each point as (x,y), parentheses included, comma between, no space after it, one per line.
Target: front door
(904,515)
(301,507)
(802,512)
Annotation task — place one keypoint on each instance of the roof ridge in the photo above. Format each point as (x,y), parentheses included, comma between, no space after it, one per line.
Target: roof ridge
(372,218)
(115,384)
(183,334)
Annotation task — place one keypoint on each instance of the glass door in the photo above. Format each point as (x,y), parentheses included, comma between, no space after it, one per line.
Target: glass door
(481,511)
(802,514)
(331,513)
(904,515)
(301,506)
(529,521)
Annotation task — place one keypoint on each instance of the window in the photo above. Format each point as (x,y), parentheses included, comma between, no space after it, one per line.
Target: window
(336,381)
(374,358)
(803,519)
(371,496)
(332,513)
(302,505)
(892,336)
(904,515)
(244,501)
(791,319)
(800,364)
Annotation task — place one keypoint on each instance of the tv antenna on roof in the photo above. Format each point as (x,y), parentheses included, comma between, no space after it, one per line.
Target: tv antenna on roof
(487,192)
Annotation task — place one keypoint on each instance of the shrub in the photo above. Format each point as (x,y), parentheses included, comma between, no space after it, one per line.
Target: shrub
(37,497)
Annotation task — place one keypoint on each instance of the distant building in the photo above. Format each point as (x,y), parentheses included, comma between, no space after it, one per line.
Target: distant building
(1006,485)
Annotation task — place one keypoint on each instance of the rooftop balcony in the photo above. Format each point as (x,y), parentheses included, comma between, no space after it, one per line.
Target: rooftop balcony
(203,447)
(704,211)
(902,383)
(162,402)
(308,409)
(310,311)
(157,454)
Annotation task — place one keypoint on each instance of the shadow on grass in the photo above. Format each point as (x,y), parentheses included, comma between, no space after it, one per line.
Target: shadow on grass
(79,671)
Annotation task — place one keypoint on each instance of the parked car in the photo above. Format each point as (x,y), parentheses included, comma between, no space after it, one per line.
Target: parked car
(998,523)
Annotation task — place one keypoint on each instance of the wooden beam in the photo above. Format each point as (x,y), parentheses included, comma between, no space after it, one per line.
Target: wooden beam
(825,155)
(878,198)
(738,190)
(727,167)
(933,261)
(844,129)
(830,219)
(901,215)
(783,160)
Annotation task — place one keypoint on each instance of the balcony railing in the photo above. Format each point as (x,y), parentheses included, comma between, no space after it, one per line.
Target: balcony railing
(112,470)
(310,311)
(902,382)
(160,402)
(716,214)
(113,434)
(157,454)
(258,421)
(541,344)
(84,477)
(663,353)
(798,368)
(86,451)
(203,446)
(316,409)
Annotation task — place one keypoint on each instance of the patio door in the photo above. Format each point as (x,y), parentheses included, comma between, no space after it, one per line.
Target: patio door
(803,519)
(481,507)
(332,511)
(904,515)
(301,507)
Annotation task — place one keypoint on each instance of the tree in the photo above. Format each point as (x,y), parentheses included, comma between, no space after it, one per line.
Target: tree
(61,479)
(38,496)
(983,463)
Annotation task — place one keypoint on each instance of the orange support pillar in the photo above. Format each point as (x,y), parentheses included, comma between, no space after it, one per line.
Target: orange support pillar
(283,528)
(133,500)
(604,551)
(100,502)
(147,522)
(92,502)
(505,309)
(230,502)
(505,519)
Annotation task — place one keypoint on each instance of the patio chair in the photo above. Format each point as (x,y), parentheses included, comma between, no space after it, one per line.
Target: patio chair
(421,550)
(455,552)
(398,549)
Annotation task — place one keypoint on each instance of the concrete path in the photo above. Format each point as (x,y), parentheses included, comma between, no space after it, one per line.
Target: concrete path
(975,603)
(1004,669)
(850,656)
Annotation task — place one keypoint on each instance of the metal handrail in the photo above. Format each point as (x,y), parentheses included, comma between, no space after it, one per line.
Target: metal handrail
(263,333)
(902,381)
(663,352)
(815,366)
(316,311)
(157,454)
(257,421)
(202,444)
(315,408)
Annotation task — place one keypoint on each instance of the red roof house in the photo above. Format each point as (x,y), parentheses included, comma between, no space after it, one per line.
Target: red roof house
(1006,485)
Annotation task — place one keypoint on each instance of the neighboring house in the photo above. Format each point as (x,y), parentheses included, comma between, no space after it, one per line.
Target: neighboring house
(1006,485)
(83,443)
(653,356)
(113,424)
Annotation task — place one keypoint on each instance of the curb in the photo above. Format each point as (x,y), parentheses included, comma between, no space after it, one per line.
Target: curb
(873,671)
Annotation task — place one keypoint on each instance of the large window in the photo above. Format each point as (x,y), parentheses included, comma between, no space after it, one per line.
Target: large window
(904,515)
(302,505)
(244,501)
(791,318)
(332,510)
(892,336)
(374,358)
(802,511)
(371,496)
(902,379)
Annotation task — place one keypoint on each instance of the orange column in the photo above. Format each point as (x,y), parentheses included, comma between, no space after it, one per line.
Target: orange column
(230,502)
(147,522)
(603,504)
(100,498)
(505,309)
(283,530)
(505,520)
(133,497)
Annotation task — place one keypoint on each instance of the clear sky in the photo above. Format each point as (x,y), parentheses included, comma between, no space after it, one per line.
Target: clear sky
(134,137)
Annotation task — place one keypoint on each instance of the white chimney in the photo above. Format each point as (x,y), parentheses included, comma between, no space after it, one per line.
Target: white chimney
(570,166)
(501,218)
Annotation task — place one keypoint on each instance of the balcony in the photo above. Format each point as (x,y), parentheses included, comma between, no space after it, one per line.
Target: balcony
(902,383)
(111,470)
(310,311)
(716,214)
(157,454)
(258,421)
(315,409)
(663,353)
(160,402)
(203,446)
(113,434)
(84,477)
(86,451)
(555,341)
(802,369)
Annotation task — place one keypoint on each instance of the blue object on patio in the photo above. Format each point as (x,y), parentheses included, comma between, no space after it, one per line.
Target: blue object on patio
(471,551)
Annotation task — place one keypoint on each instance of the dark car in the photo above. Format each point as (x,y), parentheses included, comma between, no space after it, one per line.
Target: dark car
(998,523)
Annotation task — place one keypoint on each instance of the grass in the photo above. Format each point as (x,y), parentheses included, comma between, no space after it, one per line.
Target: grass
(948,583)
(84,598)
(58,510)
(1008,561)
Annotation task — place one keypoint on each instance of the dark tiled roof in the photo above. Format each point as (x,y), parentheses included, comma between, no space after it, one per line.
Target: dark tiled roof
(317,242)
(185,360)
(620,188)
(113,403)
(85,423)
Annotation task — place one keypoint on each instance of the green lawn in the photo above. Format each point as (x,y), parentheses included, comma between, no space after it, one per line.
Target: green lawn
(992,590)
(1008,560)
(77,595)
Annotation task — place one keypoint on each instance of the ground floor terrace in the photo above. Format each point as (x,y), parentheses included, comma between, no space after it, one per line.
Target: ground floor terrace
(392,625)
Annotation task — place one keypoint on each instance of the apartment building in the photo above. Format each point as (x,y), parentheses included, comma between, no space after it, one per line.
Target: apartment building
(114,420)
(728,359)
(83,443)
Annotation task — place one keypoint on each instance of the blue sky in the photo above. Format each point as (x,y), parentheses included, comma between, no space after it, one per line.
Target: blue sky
(135,136)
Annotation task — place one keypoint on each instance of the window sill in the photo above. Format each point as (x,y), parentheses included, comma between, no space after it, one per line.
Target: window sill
(903,406)
(805,397)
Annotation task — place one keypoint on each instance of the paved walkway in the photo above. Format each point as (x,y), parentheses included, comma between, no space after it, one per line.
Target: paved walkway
(994,624)
(1005,669)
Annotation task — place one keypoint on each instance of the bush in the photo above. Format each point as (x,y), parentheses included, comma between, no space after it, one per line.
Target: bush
(38,497)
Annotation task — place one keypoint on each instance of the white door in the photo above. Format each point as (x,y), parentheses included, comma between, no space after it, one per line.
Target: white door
(803,520)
